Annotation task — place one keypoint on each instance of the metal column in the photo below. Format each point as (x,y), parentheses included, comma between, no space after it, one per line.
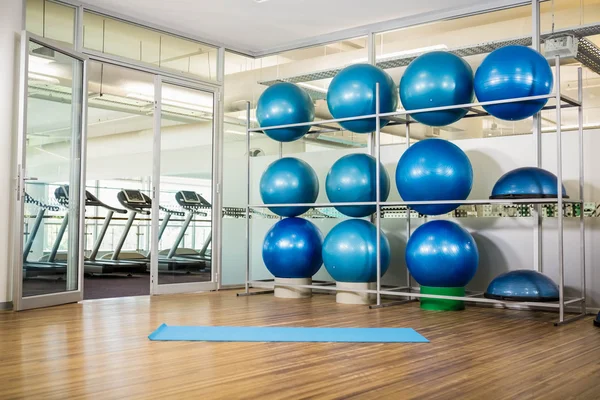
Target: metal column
(537,145)
(560,212)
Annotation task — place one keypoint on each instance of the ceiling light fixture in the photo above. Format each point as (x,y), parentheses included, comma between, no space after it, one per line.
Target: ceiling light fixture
(404,53)
(241,133)
(42,78)
(172,103)
(570,127)
(312,87)
(40,60)
(260,1)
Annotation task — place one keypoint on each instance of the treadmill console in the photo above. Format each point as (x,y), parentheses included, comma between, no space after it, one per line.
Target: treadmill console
(134,196)
(190,199)
(62,196)
(135,200)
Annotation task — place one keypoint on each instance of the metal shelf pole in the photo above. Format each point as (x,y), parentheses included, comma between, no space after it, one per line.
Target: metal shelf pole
(581,188)
(247,285)
(408,278)
(378,190)
(561,260)
(537,143)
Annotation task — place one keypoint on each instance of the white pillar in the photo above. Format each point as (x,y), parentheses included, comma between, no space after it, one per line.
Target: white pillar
(11,24)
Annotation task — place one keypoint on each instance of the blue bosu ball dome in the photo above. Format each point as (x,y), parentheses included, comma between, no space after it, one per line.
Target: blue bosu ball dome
(522,285)
(527,182)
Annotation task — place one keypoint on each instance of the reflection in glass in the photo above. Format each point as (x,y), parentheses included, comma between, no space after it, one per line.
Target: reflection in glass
(119,161)
(185,185)
(50,243)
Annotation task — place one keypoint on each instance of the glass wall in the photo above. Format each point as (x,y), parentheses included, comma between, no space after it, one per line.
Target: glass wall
(119,168)
(245,81)
(52,165)
(187,128)
(124,39)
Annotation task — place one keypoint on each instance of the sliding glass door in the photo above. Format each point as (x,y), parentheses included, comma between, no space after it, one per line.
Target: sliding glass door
(48,223)
(184,188)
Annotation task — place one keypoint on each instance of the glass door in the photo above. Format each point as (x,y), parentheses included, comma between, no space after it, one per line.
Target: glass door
(184,190)
(48,224)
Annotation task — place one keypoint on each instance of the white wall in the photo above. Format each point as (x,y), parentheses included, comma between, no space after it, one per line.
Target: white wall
(10,27)
(504,243)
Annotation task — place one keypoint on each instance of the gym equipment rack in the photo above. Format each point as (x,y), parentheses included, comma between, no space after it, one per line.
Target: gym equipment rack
(409,292)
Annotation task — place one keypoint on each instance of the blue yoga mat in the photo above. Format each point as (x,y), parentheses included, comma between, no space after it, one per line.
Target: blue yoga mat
(279,334)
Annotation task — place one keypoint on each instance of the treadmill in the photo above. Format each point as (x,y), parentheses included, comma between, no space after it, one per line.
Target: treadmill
(193,203)
(91,264)
(47,264)
(139,203)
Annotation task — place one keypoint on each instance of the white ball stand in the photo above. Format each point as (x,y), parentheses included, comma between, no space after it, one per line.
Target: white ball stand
(348,296)
(286,292)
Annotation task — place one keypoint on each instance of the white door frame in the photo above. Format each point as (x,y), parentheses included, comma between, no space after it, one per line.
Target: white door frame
(77,170)
(155,288)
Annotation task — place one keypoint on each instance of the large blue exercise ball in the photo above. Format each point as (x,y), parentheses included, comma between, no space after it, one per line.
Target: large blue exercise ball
(434,169)
(437,79)
(527,182)
(513,72)
(441,253)
(352,93)
(350,251)
(292,249)
(522,285)
(289,180)
(282,104)
(353,178)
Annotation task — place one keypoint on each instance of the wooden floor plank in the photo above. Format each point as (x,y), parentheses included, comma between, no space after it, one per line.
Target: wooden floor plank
(100,350)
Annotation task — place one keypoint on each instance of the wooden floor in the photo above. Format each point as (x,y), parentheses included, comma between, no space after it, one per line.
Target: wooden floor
(100,350)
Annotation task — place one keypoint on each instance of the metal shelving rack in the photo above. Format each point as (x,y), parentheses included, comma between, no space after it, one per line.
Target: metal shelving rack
(408,292)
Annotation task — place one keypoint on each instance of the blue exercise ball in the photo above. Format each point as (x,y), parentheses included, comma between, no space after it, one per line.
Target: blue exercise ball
(350,251)
(434,169)
(289,180)
(352,93)
(513,72)
(353,178)
(522,285)
(282,104)
(292,249)
(527,182)
(437,79)
(441,253)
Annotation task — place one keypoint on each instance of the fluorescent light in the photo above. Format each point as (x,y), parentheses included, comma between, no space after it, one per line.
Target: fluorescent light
(404,53)
(243,118)
(172,103)
(241,133)
(260,1)
(570,127)
(43,78)
(312,87)
(40,60)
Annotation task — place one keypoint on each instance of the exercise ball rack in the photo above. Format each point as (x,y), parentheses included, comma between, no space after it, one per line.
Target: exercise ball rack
(409,293)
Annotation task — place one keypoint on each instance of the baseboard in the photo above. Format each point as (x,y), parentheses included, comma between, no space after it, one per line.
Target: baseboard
(6,306)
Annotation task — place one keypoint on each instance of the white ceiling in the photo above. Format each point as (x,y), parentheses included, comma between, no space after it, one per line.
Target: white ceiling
(247,25)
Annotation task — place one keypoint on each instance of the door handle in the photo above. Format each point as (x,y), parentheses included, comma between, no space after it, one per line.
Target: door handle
(33,178)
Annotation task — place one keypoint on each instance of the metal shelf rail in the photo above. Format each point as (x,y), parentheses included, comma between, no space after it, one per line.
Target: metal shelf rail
(409,292)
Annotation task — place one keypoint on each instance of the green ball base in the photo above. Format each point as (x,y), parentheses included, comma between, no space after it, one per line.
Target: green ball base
(442,304)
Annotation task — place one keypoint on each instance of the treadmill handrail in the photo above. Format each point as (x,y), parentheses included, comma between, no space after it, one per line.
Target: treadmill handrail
(172,212)
(196,211)
(137,210)
(110,208)
(30,200)
(90,201)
